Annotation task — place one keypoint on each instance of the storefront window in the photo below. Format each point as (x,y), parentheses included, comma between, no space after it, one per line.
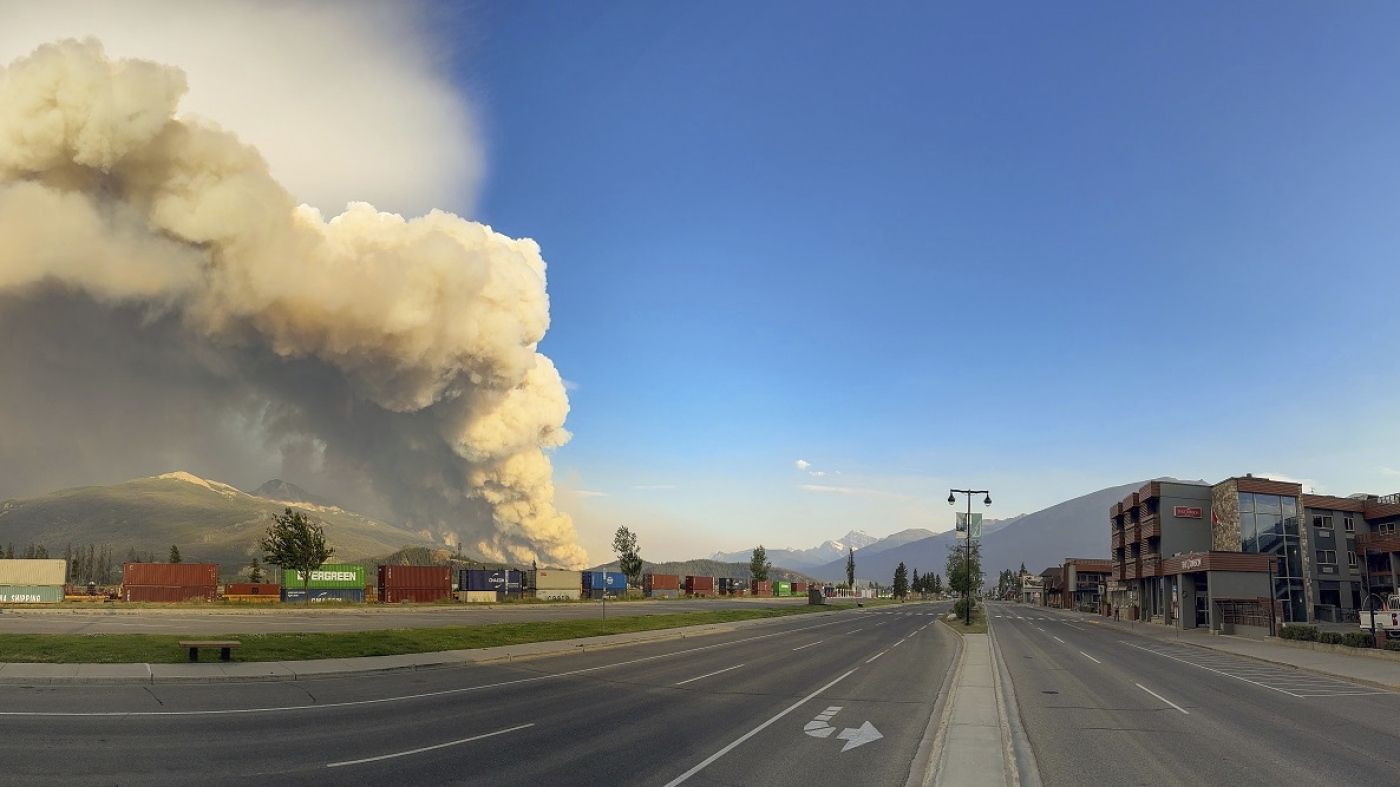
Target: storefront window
(1246,503)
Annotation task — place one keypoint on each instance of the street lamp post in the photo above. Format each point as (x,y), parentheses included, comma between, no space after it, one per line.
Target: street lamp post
(967,594)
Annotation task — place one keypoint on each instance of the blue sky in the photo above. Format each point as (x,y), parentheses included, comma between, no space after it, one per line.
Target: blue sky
(1036,248)
(1041,249)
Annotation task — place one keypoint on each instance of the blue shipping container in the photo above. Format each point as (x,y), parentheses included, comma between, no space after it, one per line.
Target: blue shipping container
(611,581)
(485,579)
(325,595)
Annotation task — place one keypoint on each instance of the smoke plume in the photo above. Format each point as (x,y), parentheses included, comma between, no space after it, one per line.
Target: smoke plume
(162,297)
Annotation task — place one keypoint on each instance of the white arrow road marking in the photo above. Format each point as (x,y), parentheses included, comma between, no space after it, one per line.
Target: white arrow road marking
(818,727)
(859,737)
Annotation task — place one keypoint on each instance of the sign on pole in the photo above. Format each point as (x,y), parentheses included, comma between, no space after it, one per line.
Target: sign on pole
(976,520)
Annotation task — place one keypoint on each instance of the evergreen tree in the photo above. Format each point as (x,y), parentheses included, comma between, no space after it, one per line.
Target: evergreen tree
(759,565)
(850,567)
(255,572)
(174,554)
(901,581)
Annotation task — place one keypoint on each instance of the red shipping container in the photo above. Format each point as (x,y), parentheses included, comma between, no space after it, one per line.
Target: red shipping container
(763,588)
(661,582)
(168,593)
(416,577)
(252,589)
(171,574)
(699,586)
(418,595)
(799,587)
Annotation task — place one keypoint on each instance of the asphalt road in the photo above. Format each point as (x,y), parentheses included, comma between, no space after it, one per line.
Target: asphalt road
(841,699)
(1104,706)
(116,619)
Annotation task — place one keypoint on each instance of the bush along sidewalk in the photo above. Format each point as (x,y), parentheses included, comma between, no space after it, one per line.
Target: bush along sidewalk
(1351,639)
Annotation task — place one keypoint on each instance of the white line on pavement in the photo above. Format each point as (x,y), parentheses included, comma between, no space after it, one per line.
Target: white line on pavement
(1091,658)
(1163,699)
(1057,639)
(706,675)
(427,748)
(809,644)
(756,730)
(877,655)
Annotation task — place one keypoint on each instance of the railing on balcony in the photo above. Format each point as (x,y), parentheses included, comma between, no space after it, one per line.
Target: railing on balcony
(1388,500)
(1380,542)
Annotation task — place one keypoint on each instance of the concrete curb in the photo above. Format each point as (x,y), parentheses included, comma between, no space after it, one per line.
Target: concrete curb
(925,765)
(40,674)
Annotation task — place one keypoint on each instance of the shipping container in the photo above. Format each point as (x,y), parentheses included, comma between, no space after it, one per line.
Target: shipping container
(33,572)
(324,595)
(478,596)
(597,582)
(663,593)
(31,594)
(554,579)
(424,577)
(252,589)
(171,574)
(340,576)
(474,579)
(764,589)
(799,588)
(782,588)
(556,594)
(392,595)
(661,582)
(169,593)
(699,586)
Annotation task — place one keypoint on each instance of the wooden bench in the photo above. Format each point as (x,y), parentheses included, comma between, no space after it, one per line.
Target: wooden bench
(225,648)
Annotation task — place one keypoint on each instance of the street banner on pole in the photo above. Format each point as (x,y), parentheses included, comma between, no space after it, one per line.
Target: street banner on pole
(976,520)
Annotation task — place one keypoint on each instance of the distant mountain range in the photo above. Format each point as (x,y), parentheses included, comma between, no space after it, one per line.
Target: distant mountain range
(209,521)
(805,558)
(712,568)
(1074,528)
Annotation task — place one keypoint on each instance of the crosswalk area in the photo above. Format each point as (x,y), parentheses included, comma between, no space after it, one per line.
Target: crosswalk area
(1285,680)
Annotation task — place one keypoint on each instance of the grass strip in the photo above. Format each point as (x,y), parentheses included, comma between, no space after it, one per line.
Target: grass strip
(165,649)
(979,622)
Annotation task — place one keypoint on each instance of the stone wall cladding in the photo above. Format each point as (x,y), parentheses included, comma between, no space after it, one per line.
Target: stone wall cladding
(1225,517)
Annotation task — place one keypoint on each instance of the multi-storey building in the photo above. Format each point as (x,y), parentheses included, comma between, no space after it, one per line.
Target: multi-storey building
(1192,554)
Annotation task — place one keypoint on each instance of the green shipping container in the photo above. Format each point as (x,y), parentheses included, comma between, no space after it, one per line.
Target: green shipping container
(31,594)
(782,588)
(329,576)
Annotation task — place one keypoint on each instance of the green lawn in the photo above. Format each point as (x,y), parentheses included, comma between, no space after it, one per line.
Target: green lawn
(979,622)
(164,648)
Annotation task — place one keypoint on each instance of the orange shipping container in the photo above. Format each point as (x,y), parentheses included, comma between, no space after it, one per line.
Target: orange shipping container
(434,577)
(661,582)
(167,593)
(252,589)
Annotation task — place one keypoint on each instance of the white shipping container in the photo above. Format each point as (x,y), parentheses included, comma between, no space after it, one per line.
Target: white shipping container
(33,572)
(558,594)
(550,579)
(478,596)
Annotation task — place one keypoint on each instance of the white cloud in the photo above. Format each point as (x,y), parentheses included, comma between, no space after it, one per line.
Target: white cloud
(655,486)
(845,490)
(802,464)
(571,386)
(586,493)
(1389,471)
(347,101)
(818,473)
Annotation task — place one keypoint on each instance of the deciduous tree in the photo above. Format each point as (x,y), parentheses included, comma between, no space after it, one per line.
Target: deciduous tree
(629,561)
(759,565)
(294,542)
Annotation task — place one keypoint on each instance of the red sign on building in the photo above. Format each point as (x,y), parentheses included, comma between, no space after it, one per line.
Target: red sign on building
(1187,512)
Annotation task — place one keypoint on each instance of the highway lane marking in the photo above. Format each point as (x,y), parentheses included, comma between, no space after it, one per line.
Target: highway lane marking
(877,655)
(809,644)
(402,698)
(1163,699)
(1057,639)
(1237,669)
(707,675)
(1091,658)
(428,748)
(756,730)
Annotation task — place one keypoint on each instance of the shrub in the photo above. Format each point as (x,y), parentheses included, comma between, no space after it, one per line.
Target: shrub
(1330,637)
(1298,632)
(1358,639)
(1392,644)
(961,608)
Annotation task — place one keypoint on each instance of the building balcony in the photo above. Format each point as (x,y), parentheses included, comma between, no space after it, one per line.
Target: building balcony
(1118,540)
(1151,527)
(1131,571)
(1378,542)
(1151,566)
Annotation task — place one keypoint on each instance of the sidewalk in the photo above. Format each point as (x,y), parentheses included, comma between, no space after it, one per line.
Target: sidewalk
(28,674)
(1357,666)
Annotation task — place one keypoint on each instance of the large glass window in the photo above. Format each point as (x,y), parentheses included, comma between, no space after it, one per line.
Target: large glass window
(1246,503)
(1290,515)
